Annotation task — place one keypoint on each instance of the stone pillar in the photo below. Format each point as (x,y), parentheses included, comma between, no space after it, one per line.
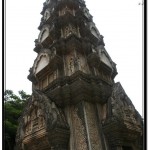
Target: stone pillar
(84,127)
(92,127)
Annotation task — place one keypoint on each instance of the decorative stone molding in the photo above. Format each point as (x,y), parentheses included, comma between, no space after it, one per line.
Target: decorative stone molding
(70,29)
(66,10)
(47,14)
(122,120)
(40,119)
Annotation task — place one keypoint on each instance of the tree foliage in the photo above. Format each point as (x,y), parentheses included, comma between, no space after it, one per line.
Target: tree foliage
(13,107)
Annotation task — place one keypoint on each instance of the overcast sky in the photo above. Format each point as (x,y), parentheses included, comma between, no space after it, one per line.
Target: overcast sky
(119,21)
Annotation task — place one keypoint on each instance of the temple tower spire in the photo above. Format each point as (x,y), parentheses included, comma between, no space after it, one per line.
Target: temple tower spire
(75,105)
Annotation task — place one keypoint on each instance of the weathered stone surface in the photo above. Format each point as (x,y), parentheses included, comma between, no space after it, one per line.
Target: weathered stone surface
(42,120)
(75,105)
(123,125)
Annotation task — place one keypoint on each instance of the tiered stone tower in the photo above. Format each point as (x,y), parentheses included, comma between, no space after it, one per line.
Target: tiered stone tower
(75,105)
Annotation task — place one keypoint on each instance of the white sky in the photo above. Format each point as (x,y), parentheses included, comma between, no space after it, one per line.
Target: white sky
(119,21)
